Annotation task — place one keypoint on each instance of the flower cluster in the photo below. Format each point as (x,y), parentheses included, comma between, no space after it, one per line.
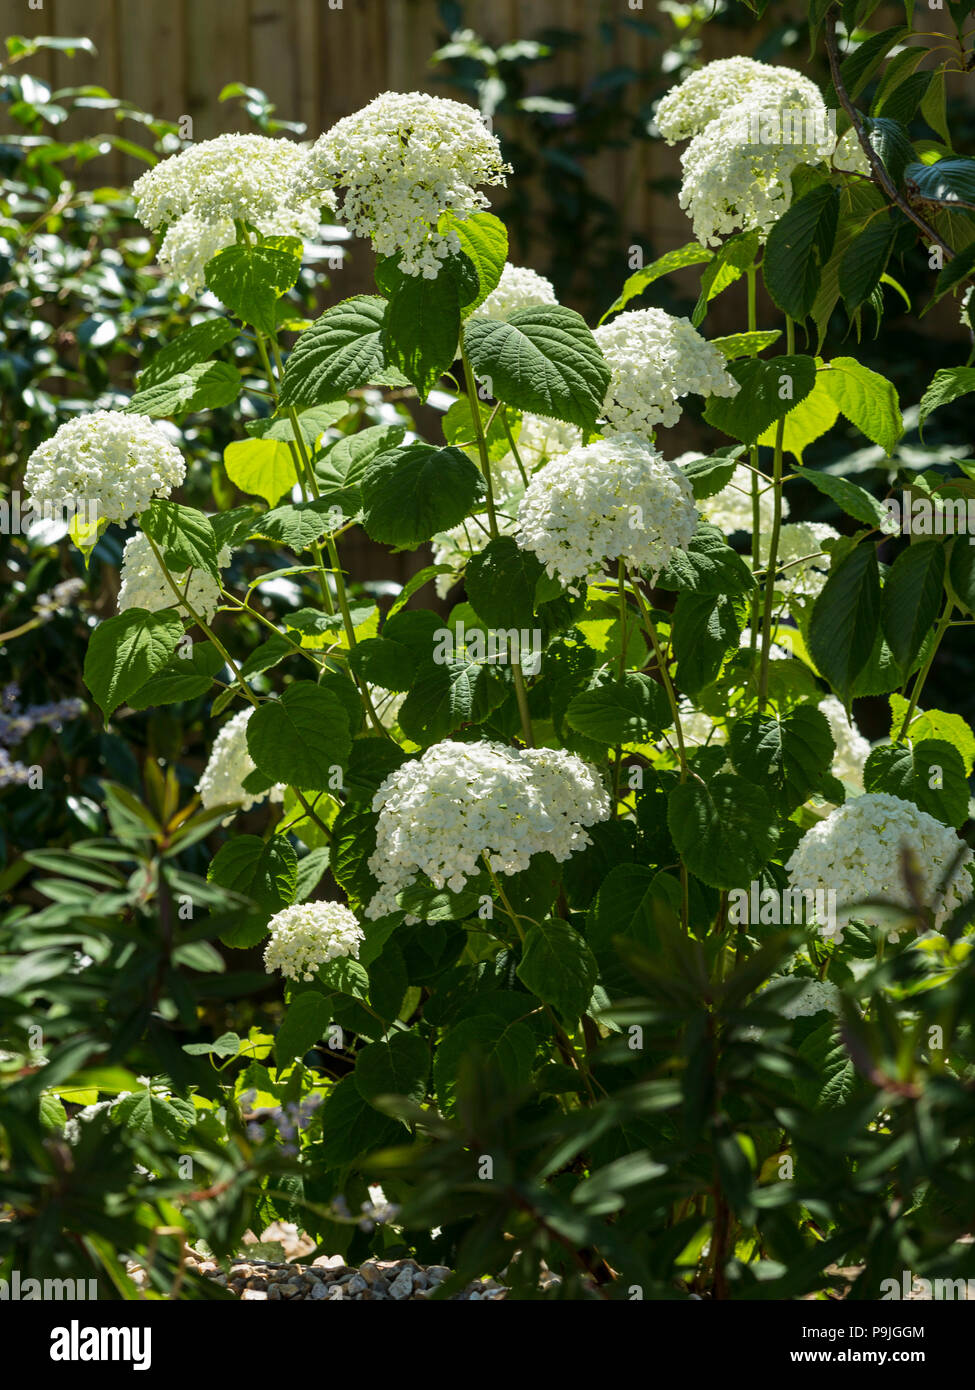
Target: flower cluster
(229,765)
(308,935)
(852,749)
(800,558)
(16,722)
(857,853)
(199,193)
(112,463)
(540,439)
(62,596)
(518,288)
(144,583)
(616,498)
(655,359)
(443,813)
(730,509)
(705,94)
(750,125)
(401,162)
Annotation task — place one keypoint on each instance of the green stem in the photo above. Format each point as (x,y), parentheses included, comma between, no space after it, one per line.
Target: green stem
(943,624)
(201,624)
(773,552)
(521,692)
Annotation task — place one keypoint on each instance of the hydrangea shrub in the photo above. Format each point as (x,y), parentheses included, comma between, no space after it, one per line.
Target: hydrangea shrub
(612,789)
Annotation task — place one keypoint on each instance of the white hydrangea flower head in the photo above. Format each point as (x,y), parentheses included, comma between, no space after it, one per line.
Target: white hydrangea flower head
(245,177)
(518,288)
(308,935)
(440,813)
(387,704)
(615,498)
(852,749)
(697,727)
(191,241)
(400,163)
(706,93)
(655,359)
(801,561)
(144,585)
(107,461)
(540,439)
(733,184)
(856,853)
(228,766)
(849,156)
(730,509)
(817,996)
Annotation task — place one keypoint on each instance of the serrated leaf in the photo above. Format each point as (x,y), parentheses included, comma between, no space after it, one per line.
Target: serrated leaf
(558,967)
(724,830)
(412,493)
(301,738)
(788,755)
(251,279)
(846,618)
(544,360)
(123,652)
(339,352)
(265,871)
(769,390)
(912,597)
(621,711)
(205,386)
(930,772)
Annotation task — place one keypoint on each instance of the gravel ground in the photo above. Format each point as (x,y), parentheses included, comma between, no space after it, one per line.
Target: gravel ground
(328,1277)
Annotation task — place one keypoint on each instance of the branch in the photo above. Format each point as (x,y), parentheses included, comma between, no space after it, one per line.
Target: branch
(880,174)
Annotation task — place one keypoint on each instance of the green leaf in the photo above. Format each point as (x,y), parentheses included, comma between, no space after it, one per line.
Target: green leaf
(152,1115)
(961,571)
(302,738)
(849,497)
(251,279)
(709,475)
(867,399)
(558,967)
(745,344)
(946,385)
(705,628)
(693,253)
(724,830)
(340,351)
(265,871)
(184,535)
(621,711)
(806,422)
(912,597)
(769,390)
(297,525)
(306,1019)
(931,773)
(504,1043)
(726,266)
(351,1128)
(543,360)
(948,181)
(412,493)
(184,677)
(385,663)
(798,247)
(936,724)
(933,106)
(865,260)
(205,386)
(341,469)
(190,347)
(265,467)
(399,1067)
(123,652)
(500,584)
(311,424)
(859,66)
(484,241)
(845,619)
(422,327)
(789,756)
(708,566)
(446,695)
